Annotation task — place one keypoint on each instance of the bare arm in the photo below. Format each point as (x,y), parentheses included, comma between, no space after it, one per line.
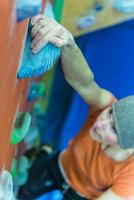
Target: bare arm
(76,70)
(79,75)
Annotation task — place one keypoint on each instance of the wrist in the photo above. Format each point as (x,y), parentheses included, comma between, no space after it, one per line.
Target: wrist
(70,40)
(70,46)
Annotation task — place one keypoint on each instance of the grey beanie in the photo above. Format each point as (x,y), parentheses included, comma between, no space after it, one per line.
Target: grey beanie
(123,113)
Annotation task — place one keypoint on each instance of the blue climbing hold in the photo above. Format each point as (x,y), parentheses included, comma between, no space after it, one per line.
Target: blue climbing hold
(125,6)
(27,8)
(34,65)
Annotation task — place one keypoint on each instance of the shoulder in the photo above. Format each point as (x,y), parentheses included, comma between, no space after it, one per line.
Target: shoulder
(124,181)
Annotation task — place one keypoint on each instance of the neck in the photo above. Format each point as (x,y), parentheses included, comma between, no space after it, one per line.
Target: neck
(116,153)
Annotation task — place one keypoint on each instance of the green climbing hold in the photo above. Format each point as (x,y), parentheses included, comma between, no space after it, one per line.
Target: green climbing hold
(22,125)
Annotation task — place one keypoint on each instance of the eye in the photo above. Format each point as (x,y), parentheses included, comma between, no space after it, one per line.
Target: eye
(110,112)
(113,127)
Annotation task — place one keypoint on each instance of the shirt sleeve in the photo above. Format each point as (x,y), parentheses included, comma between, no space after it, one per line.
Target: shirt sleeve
(124,184)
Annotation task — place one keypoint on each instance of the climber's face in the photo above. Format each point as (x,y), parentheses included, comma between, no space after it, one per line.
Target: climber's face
(103,130)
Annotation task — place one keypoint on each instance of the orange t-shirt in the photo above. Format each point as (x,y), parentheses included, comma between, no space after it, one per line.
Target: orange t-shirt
(90,172)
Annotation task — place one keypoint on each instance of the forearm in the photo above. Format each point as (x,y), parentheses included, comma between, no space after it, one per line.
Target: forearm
(76,70)
(79,75)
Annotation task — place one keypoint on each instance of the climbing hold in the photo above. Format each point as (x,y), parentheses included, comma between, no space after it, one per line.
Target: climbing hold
(22,125)
(27,8)
(125,6)
(98,6)
(6,186)
(86,21)
(37,89)
(34,65)
(19,170)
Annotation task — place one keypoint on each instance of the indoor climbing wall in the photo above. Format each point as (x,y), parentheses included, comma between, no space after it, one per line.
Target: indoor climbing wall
(15,107)
(83,16)
(19,106)
(12,38)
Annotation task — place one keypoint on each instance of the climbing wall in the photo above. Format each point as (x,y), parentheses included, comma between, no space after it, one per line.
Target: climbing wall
(13,92)
(79,17)
(83,16)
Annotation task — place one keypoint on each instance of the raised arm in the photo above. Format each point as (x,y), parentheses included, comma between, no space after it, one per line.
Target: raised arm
(76,70)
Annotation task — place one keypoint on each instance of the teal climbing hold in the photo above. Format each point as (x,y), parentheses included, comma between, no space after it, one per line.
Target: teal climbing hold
(34,65)
(22,125)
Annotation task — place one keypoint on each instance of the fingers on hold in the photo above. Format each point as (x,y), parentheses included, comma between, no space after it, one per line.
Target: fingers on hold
(37,38)
(36,18)
(42,41)
(38,25)
(36,29)
(57,41)
(39,45)
(40,34)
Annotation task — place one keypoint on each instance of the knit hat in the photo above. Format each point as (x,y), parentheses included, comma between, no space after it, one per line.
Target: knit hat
(123,113)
